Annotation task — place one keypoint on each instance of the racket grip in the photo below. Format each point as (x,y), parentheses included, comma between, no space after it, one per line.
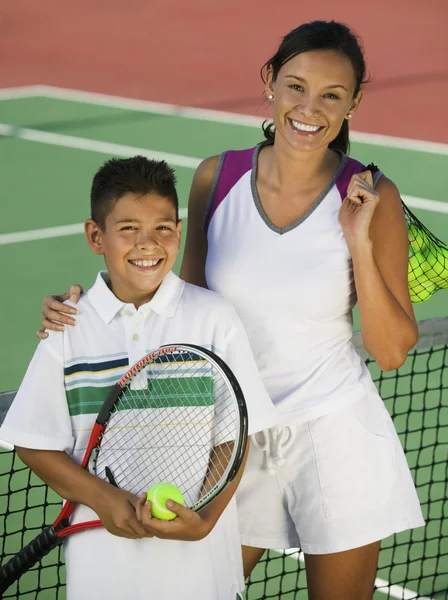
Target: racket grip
(28,557)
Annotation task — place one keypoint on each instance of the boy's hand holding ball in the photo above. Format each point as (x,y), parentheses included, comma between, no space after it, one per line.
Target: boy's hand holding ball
(158,494)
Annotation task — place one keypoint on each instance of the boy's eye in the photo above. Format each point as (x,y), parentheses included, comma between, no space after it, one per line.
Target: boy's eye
(128,228)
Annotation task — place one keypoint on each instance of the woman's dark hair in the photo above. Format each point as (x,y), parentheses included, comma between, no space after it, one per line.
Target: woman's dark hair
(319,35)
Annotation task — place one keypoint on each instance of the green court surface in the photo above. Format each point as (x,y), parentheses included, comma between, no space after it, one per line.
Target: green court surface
(49,150)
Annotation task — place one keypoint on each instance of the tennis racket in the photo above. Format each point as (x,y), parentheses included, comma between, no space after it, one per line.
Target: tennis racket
(178,415)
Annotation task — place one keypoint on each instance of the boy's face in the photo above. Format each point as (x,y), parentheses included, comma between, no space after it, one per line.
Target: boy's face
(140,243)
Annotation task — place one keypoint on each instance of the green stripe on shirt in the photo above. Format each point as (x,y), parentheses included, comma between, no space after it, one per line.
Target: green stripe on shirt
(160,393)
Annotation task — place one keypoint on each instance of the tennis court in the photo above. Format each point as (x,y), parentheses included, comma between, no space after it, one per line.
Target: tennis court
(52,141)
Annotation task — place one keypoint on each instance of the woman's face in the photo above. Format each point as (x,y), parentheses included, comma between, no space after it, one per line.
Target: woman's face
(313,94)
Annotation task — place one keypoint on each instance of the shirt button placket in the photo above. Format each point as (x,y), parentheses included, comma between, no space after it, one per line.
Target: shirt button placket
(137,346)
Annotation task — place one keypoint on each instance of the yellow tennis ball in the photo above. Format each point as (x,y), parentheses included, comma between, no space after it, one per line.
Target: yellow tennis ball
(158,494)
(417,239)
(422,291)
(415,263)
(436,267)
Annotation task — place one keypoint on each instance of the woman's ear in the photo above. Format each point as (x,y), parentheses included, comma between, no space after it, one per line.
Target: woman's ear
(355,104)
(269,84)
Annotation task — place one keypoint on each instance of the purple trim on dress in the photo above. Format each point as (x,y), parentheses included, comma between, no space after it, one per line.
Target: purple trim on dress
(352,167)
(235,164)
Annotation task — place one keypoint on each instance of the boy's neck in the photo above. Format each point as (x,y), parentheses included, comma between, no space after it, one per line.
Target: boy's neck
(130,298)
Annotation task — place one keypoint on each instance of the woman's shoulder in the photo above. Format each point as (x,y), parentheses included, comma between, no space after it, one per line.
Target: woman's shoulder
(235,159)
(218,174)
(206,169)
(351,166)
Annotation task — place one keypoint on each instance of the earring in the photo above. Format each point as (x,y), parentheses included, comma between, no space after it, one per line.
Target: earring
(271,97)
(349,116)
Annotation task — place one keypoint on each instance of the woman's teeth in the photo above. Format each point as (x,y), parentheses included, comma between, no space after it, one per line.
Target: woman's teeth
(304,127)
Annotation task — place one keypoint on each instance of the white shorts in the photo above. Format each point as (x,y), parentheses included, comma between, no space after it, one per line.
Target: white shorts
(328,485)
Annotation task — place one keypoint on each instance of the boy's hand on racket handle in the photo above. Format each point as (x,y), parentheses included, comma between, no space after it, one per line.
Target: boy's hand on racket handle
(188,526)
(55,314)
(117,510)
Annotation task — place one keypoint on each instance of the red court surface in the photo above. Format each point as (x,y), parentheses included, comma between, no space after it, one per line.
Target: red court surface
(207,53)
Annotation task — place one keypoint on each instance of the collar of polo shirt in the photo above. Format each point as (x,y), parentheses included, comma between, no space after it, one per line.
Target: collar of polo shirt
(164,302)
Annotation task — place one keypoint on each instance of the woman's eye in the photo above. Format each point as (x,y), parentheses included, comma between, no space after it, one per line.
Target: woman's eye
(297,87)
(331,96)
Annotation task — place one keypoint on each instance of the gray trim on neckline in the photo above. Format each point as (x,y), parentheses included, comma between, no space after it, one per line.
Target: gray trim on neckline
(307,213)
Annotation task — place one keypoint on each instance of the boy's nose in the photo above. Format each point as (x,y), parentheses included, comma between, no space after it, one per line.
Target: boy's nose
(146,240)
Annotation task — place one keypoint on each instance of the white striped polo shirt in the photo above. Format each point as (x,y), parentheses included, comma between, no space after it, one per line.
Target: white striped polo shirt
(293,288)
(67,380)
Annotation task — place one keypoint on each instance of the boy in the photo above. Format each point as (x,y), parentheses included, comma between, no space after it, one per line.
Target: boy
(134,307)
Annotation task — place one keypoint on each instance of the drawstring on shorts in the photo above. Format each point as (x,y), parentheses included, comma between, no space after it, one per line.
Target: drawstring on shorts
(273,442)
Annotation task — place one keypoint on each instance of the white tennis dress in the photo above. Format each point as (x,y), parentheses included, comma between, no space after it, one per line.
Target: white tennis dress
(334,476)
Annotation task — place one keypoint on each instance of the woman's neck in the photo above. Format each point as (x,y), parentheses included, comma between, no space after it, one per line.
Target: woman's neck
(285,166)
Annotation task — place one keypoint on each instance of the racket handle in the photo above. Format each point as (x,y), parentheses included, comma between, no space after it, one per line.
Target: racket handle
(24,560)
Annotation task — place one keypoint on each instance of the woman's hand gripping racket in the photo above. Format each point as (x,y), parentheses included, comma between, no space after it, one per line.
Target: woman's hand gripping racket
(178,415)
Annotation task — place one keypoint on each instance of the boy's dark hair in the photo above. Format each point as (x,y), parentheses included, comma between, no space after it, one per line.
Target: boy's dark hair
(137,175)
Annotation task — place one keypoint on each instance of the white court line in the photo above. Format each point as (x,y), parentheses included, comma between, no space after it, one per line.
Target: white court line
(26,91)
(41,234)
(204,114)
(68,141)
(52,232)
(384,587)
(431,205)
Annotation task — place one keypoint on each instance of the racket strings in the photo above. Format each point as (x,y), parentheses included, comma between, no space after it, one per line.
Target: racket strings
(178,423)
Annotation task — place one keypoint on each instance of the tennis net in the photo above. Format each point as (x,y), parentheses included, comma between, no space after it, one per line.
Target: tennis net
(413,565)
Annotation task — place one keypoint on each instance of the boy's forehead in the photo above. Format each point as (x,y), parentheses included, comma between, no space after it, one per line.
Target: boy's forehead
(148,204)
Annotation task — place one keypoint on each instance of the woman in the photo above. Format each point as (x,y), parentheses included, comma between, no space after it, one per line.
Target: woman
(294,233)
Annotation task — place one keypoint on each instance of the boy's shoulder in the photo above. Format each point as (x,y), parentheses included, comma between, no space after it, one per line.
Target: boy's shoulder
(96,305)
(87,317)
(87,308)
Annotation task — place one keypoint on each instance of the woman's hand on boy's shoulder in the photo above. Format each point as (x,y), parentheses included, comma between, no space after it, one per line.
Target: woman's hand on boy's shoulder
(188,526)
(55,314)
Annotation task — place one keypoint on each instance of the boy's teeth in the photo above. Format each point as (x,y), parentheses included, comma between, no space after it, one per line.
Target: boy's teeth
(145,263)
(304,127)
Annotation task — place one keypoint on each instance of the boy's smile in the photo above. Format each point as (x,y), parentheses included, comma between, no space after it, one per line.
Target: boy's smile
(140,242)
